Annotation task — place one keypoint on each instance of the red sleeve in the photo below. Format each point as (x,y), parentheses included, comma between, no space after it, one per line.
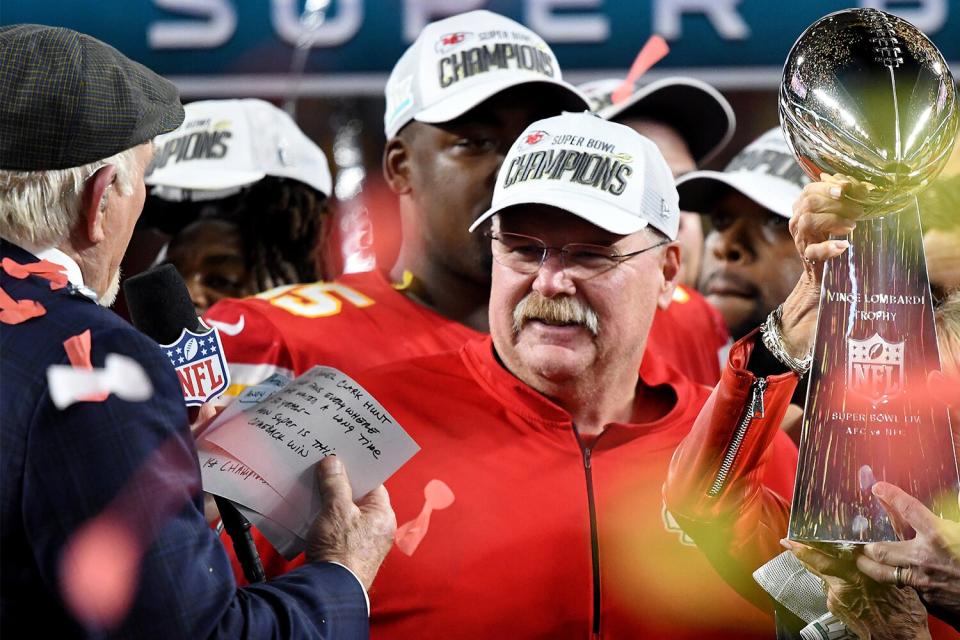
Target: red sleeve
(254,345)
(727,483)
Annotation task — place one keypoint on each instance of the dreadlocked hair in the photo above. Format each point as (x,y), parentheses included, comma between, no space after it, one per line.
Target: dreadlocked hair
(283,227)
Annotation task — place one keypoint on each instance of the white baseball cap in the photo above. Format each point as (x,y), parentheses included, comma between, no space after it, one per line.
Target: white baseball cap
(225,145)
(457,63)
(697,111)
(603,172)
(766,171)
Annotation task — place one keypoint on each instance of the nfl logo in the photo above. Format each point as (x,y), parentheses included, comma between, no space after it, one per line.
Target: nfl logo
(875,368)
(198,359)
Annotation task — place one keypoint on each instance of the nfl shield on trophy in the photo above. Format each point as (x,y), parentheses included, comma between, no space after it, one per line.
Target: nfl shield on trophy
(867,95)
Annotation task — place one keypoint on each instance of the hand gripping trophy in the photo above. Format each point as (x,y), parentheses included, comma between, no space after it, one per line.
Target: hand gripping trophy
(867,95)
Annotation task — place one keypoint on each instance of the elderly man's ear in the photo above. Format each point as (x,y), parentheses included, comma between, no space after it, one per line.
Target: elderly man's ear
(96,192)
(671,274)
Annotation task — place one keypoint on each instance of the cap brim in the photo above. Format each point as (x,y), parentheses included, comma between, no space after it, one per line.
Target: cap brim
(698,112)
(700,190)
(457,104)
(606,217)
(190,177)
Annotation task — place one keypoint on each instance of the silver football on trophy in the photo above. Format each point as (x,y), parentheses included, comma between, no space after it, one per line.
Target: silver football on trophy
(866,94)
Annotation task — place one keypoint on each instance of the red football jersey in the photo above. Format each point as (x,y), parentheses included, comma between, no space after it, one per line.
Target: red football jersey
(353,323)
(691,335)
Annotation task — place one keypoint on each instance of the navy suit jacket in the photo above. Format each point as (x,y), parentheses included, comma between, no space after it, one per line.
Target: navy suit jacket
(60,468)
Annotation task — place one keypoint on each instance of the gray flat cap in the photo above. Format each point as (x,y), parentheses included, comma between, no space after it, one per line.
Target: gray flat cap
(68,99)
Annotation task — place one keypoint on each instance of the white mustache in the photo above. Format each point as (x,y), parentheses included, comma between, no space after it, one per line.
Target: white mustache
(562,310)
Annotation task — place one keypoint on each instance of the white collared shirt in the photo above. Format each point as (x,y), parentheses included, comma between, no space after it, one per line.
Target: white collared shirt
(70,268)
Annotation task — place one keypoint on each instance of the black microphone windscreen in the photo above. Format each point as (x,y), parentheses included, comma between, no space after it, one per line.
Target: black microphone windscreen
(160,304)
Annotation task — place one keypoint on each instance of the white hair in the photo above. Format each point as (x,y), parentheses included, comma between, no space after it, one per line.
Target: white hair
(39,208)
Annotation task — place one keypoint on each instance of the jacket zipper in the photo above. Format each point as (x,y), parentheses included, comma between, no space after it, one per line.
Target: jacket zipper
(754,410)
(594,537)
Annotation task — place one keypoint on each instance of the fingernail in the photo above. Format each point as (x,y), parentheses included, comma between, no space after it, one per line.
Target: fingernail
(879,490)
(840,245)
(332,465)
(836,192)
(786,544)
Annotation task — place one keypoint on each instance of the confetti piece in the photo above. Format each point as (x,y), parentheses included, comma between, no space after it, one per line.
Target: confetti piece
(78,352)
(651,53)
(45,269)
(99,572)
(17,311)
(121,376)
(100,566)
(437,496)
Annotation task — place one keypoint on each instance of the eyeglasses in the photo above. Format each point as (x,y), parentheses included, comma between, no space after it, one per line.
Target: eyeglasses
(526,254)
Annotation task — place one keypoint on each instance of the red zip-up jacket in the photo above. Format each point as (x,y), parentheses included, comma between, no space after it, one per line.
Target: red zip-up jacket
(548,535)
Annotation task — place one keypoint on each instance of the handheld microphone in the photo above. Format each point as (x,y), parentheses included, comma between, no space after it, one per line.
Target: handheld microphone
(160,307)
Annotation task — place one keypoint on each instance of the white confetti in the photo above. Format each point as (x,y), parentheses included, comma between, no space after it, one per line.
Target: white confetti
(122,376)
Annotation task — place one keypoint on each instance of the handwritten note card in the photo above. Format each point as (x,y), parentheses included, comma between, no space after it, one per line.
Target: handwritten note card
(262,450)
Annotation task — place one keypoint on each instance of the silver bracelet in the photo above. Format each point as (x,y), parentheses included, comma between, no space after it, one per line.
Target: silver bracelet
(773,341)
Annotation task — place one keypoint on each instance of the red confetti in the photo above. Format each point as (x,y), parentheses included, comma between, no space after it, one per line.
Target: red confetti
(651,53)
(17,311)
(78,352)
(437,495)
(44,269)
(100,571)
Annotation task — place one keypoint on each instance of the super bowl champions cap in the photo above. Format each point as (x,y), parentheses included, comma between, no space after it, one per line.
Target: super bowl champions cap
(603,172)
(697,111)
(766,171)
(225,145)
(457,63)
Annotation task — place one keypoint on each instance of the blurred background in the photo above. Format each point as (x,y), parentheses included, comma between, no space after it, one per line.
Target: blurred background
(326,62)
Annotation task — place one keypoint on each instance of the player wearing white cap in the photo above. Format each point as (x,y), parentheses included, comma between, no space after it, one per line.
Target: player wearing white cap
(750,263)
(243,191)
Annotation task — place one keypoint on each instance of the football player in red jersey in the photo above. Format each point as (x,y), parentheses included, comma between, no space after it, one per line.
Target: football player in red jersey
(690,122)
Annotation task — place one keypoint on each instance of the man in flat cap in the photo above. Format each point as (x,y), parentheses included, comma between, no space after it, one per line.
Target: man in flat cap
(100,509)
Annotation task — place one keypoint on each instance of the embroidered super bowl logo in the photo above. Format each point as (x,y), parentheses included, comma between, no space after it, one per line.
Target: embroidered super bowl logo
(200,365)
(875,368)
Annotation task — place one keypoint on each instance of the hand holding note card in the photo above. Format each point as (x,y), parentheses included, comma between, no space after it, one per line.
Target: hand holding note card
(279,431)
